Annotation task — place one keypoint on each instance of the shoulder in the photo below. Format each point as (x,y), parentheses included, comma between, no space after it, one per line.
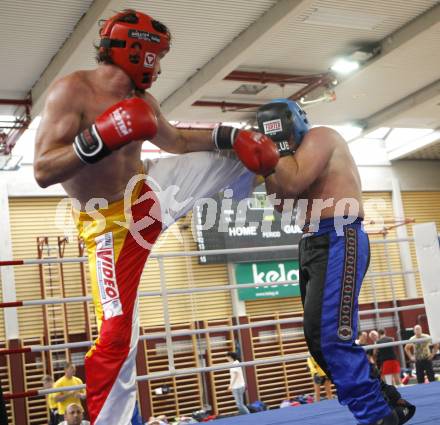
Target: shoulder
(323,132)
(152,101)
(68,88)
(323,138)
(59,382)
(74,81)
(78,380)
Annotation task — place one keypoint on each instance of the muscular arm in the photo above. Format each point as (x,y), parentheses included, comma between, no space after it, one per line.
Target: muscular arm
(174,140)
(295,173)
(55,160)
(409,350)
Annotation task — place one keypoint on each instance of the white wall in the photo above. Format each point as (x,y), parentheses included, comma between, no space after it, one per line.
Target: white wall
(22,183)
(412,175)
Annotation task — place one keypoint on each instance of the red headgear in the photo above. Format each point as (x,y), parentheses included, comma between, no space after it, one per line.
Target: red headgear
(133,41)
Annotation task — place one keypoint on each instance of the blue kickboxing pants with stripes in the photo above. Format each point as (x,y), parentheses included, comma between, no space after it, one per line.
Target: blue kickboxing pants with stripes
(333,262)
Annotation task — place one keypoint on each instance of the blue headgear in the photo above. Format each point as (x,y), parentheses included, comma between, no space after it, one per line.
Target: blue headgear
(301,123)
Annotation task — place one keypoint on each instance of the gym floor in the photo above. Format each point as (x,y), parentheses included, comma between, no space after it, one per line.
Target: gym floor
(425,397)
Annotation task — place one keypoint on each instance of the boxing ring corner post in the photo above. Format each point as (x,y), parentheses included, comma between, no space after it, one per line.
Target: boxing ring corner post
(428,257)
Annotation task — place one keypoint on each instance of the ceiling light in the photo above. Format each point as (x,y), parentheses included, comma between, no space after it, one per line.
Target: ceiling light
(345,66)
(249,89)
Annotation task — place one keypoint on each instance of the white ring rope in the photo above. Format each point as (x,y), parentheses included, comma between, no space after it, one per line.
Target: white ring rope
(215,329)
(271,360)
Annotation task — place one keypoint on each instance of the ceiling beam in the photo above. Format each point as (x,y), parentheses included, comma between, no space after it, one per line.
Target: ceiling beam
(413,146)
(389,45)
(413,28)
(380,118)
(263,77)
(398,38)
(233,54)
(80,40)
(16,102)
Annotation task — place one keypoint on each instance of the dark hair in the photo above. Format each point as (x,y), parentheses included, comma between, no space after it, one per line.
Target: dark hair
(234,356)
(67,365)
(103,56)
(381,331)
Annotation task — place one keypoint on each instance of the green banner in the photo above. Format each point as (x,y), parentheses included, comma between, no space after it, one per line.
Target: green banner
(264,272)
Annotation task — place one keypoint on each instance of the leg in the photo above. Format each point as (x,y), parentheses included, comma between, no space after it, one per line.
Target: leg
(420,372)
(388,379)
(335,267)
(116,261)
(397,380)
(238,396)
(429,370)
(52,417)
(317,391)
(328,389)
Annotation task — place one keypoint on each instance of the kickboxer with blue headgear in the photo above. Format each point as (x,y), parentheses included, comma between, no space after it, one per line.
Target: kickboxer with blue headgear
(316,171)
(280,120)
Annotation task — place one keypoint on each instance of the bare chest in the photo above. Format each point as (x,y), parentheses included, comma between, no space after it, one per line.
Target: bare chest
(107,178)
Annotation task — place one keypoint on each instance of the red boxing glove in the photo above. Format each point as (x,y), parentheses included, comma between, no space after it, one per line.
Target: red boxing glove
(256,151)
(126,121)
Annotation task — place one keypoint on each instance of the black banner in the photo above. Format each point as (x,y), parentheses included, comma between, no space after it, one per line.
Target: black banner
(225,223)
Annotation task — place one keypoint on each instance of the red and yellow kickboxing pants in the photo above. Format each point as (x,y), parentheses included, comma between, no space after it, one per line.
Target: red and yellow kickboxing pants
(116,261)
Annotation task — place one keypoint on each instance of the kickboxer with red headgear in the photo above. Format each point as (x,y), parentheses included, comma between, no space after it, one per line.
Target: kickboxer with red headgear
(89,140)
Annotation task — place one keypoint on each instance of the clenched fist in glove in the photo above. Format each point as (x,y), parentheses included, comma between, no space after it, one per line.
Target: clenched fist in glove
(255,150)
(126,121)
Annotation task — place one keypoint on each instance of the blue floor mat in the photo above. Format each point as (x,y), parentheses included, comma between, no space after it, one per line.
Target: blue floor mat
(426,397)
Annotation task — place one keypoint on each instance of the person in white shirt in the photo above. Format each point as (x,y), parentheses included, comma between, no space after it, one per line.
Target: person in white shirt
(74,415)
(237,385)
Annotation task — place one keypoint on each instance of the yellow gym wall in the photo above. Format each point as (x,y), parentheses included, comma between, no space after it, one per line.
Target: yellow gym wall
(32,217)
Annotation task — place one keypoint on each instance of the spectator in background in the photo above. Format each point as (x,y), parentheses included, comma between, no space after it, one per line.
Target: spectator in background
(74,415)
(362,338)
(50,401)
(236,384)
(319,378)
(66,398)
(421,354)
(386,360)
(373,336)
(160,420)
